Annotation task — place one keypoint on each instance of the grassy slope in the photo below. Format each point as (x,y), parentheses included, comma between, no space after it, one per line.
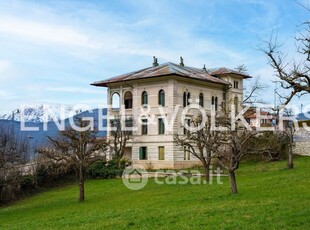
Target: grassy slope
(270,197)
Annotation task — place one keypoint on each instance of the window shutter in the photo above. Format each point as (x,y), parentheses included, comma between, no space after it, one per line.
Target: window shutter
(184,99)
(140,153)
(163,99)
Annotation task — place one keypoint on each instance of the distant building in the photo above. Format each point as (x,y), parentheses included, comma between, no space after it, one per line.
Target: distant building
(162,88)
(263,119)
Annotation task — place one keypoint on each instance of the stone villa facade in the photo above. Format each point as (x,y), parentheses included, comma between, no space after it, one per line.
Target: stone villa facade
(155,97)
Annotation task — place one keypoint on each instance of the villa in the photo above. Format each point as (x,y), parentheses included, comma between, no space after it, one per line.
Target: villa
(155,97)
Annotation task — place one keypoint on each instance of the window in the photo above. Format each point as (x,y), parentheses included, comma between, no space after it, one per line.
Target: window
(144,100)
(161,97)
(214,103)
(115,101)
(236,104)
(143,153)
(115,125)
(128,126)
(128,100)
(144,127)
(187,154)
(236,84)
(161,153)
(201,99)
(186,98)
(185,128)
(161,126)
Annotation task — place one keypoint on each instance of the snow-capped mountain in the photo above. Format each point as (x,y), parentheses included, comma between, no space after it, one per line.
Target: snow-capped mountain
(42,113)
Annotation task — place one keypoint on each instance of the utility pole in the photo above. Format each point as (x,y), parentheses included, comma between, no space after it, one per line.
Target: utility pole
(275,94)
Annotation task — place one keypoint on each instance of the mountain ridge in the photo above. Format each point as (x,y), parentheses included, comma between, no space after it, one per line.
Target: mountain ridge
(37,137)
(42,113)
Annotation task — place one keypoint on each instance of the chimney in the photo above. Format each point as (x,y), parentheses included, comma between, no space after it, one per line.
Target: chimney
(181,61)
(204,68)
(155,63)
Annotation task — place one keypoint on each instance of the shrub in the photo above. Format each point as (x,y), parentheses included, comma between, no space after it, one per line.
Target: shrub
(106,170)
(270,146)
(47,175)
(27,183)
(9,185)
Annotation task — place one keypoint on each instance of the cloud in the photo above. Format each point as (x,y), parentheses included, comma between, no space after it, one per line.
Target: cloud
(68,89)
(60,44)
(4,65)
(45,32)
(5,95)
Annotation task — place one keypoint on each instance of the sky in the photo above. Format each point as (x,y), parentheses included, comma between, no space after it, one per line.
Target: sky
(50,51)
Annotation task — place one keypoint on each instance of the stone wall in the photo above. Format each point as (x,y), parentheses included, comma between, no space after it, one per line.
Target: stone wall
(302,148)
(302,142)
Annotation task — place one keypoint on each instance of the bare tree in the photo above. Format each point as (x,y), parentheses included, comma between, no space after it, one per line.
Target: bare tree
(235,144)
(288,133)
(241,69)
(121,132)
(251,93)
(13,148)
(77,149)
(290,143)
(293,75)
(200,142)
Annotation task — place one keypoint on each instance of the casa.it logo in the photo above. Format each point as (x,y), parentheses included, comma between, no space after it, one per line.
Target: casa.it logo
(135,179)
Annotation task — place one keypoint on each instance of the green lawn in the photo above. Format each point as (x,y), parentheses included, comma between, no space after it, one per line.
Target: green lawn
(270,197)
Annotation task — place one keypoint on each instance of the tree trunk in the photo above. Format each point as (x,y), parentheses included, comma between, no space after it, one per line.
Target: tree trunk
(233,183)
(206,167)
(81,184)
(290,163)
(207,173)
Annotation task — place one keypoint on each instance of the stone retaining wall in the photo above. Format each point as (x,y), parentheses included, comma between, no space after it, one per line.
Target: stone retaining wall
(302,148)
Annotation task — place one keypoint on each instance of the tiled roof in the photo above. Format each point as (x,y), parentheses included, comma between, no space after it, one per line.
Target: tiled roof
(254,115)
(224,70)
(170,69)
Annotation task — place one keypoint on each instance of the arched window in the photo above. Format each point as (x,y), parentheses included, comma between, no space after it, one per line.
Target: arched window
(161,97)
(115,101)
(201,99)
(214,103)
(128,100)
(144,100)
(236,104)
(188,97)
(184,99)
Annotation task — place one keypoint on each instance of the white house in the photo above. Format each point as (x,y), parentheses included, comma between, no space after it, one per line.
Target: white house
(155,97)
